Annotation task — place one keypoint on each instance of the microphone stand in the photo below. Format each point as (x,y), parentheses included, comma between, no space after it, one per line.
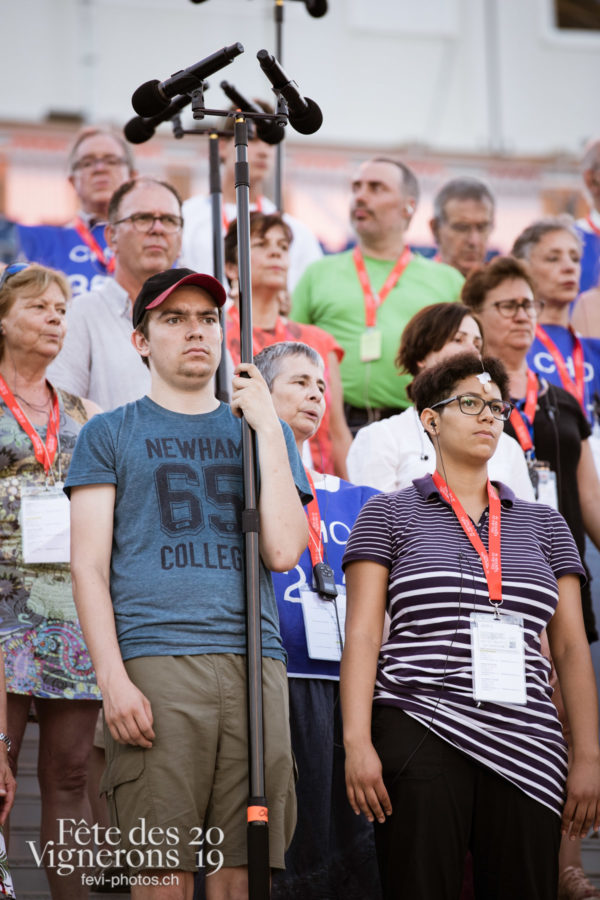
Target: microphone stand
(259,873)
(278,14)
(259,885)
(222,387)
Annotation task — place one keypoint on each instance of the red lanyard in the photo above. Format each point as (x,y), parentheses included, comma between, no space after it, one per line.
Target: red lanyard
(374,301)
(88,238)
(593,225)
(279,332)
(44,453)
(315,540)
(491,562)
(576,388)
(516,419)
(226,221)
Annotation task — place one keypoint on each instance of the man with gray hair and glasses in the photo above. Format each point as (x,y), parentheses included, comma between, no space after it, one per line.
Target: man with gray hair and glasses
(463,219)
(99,162)
(97,359)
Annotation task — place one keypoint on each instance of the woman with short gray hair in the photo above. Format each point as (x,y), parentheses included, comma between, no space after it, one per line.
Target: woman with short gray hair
(551,249)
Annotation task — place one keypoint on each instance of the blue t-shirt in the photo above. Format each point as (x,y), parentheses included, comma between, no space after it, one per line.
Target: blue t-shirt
(61,247)
(541,362)
(339,505)
(177,562)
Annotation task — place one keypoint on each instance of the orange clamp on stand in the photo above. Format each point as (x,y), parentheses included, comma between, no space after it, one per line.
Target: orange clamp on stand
(258,814)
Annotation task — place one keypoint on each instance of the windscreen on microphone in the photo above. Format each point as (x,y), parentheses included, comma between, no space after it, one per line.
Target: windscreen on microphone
(310,120)
(268,131)
(138,130)
(315,8)
(148,99)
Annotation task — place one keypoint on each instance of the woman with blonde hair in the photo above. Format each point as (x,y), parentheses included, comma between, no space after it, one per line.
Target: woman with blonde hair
(46,658)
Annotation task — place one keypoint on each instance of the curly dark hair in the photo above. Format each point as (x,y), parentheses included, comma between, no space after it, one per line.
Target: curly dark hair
(439,382)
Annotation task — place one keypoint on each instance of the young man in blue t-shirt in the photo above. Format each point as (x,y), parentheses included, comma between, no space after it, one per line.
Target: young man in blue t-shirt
(158,575)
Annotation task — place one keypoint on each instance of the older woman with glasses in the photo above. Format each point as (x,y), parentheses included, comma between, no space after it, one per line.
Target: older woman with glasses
(46,657)
(450,744)
(548,421)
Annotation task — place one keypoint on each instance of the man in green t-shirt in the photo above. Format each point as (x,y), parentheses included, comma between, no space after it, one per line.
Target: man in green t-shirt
(364,297)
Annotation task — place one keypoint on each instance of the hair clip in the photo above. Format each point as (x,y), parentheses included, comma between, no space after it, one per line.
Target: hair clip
(484,380)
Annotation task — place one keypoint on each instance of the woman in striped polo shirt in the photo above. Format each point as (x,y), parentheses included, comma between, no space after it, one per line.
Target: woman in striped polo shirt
(460,746)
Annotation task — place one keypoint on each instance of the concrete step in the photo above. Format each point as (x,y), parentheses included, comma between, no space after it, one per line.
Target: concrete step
(26,813)
(19,836)
(27,876)
(27,782)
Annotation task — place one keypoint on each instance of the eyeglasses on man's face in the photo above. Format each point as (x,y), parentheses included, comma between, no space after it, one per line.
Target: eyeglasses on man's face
(480,228)
(473,405)
(143,222)
(90,162)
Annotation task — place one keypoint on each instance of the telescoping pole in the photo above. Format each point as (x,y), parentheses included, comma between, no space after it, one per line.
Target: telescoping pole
(222,387)
(258,815)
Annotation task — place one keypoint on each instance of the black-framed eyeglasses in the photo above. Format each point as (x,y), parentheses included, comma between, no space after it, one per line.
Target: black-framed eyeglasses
(12,269)
(143,222)
(481,228)
(509,308)
(89,162)
(473,405)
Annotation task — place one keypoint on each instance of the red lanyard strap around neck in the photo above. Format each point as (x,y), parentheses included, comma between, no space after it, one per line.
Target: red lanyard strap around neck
(374,301)
(279,332)
(315,538)
(227,222)
(577,387)
(88,238)
(593,225)
(516,418)
(491,562)
(44,453)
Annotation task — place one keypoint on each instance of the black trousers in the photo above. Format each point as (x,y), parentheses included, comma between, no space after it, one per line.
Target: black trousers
(445,803)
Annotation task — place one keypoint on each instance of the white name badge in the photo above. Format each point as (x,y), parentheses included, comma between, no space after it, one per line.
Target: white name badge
(321,623)
(594,442)
(370,345)
(45,525)
(546,485)
(498,654)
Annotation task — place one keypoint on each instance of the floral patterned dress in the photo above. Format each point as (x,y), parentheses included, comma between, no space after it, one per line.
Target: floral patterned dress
(45,654)
(6,885)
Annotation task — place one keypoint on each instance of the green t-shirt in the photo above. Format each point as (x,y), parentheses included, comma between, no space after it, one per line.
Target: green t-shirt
(329,295)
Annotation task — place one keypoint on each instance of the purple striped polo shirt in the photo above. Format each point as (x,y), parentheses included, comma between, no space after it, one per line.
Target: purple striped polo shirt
(436,580)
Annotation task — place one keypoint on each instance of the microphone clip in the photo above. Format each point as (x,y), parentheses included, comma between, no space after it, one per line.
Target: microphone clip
(198,105)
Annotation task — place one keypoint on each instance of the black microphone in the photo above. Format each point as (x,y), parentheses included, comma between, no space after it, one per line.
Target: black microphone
(153,97)
(304,114)
(315,8)
(270,132)
(139,130)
